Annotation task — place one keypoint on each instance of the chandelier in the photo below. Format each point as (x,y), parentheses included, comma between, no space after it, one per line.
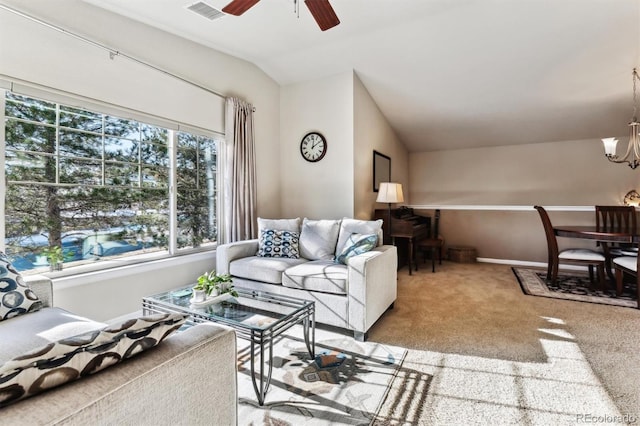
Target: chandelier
(632,156)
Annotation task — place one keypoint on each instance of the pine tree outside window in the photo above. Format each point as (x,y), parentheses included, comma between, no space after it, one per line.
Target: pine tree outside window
(97,185)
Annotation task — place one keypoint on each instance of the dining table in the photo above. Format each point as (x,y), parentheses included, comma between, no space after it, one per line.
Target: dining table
(593,233)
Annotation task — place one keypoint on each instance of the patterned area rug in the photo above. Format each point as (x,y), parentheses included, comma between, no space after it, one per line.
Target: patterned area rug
(345,384)
(571,286)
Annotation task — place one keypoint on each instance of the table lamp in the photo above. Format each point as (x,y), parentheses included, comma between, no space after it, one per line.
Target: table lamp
(390,192)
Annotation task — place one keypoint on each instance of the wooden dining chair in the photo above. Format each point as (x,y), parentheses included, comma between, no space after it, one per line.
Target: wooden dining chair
(433,244)
(627,265)
(573,256)
(615,219)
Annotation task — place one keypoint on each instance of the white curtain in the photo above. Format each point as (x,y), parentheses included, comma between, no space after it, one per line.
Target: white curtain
(240,220)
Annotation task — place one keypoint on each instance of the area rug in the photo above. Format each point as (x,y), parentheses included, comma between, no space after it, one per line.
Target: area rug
(571,286)
(345,384)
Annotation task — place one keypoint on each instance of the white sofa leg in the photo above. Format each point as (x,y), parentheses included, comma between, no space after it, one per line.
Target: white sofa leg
(359,336)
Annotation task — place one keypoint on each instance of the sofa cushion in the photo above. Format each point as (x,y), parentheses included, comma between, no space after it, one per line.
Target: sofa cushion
(318,239)
(71,358)
(317,275)
(275,243)
(351,226)
(292,225)
(16,298)
(357,244)
(266,269)
(27,332)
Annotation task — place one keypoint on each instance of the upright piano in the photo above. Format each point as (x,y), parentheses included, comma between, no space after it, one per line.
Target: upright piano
(406,229)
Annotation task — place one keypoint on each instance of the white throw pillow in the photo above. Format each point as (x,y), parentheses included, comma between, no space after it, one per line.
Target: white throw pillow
(292,225)
(318,239)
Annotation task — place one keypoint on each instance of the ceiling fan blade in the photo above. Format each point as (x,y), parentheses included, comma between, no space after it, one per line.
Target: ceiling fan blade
(238,7)
(323,13)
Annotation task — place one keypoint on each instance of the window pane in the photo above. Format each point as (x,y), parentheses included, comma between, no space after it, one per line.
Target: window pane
(155,177)
(187,140)
(196,218)
(154,154)
(75,118)
(196,157)
(187,176)
(30,109)
(121,149)
(30,137)
(153,133)
(81,172)
(121,127)
(75,144)
(22,166)
(122,174)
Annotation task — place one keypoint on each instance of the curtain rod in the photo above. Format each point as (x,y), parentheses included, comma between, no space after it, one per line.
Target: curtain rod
(112,52)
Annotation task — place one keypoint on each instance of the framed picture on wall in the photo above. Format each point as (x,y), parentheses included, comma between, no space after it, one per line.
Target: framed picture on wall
(381,169)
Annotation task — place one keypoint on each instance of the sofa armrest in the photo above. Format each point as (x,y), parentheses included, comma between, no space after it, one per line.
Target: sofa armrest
(163,385)
(373,286)
(227,253)
(42,286)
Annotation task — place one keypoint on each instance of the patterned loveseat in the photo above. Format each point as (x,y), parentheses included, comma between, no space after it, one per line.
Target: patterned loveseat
(44,346)
(339,264)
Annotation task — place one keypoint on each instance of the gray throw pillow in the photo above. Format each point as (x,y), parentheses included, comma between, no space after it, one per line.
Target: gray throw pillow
(16,298)
(318,239)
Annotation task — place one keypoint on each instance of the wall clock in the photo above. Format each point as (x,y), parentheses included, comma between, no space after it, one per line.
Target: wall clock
(313,147)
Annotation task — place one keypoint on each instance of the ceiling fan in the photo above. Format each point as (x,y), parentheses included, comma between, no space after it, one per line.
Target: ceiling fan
(321,10)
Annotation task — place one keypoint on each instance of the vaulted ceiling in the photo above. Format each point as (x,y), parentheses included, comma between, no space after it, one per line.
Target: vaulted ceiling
(447,74)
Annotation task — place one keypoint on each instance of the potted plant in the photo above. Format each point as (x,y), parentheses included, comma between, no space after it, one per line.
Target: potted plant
(211,283)
(55,257)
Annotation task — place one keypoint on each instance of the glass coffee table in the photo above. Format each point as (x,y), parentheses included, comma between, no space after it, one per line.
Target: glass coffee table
(256,316)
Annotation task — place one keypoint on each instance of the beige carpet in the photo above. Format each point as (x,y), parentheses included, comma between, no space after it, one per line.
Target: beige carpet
(482,352)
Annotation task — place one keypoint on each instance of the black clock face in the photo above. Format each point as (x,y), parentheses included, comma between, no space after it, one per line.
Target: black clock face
(313,147)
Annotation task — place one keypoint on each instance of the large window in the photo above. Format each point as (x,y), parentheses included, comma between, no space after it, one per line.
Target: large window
(91,185)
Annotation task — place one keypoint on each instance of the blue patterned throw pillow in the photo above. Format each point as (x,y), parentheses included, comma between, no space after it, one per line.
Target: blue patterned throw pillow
(357,244)
(16,298)
(277,243)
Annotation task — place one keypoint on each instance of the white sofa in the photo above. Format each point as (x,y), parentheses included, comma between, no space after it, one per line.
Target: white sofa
(350,296)
(188,379)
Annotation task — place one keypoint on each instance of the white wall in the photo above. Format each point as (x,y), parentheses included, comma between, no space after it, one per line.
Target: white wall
(323,189)
(104,295)
(568,173)
(35,53)
(373,132)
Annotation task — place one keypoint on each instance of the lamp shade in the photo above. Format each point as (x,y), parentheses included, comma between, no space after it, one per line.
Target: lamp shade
(610,146)
(390,192)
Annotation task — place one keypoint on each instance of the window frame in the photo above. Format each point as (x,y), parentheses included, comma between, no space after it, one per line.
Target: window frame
(106,109)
